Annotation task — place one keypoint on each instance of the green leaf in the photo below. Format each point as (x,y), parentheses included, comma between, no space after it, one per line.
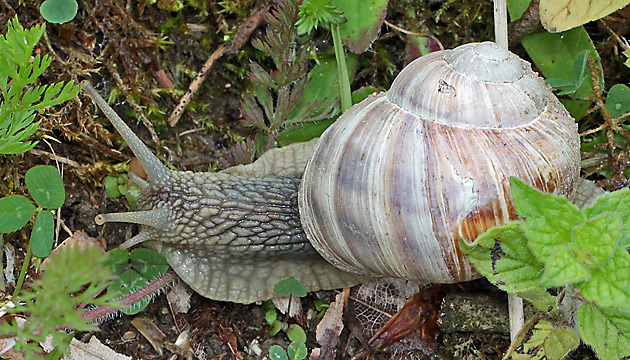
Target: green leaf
(609,284)
(596,239)
(148,263)
(553,54)
(111,186)
(617,202)
(271,316)
(303,132)
(15,212)
(135,270)
(516,8)
(550,219)
(560,15)
(607,330)
(290,286)
(618,100)
(297,351)
(540,298)
(539,339)
(276,352)
(365,18)
(59,11)
(577,108)
(563,268)
(43,234)
(276,327)
(501,254)
(45,186)
(296,333)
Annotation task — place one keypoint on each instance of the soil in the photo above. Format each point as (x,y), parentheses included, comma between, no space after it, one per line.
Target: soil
(126,48)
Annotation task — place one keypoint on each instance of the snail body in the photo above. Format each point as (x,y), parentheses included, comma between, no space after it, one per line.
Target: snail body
(388,189)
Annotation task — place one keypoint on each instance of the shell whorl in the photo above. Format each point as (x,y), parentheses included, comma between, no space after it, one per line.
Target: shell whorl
(459,87)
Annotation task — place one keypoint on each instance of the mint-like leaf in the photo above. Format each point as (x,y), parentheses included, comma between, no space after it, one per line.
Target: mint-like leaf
(619,203)
(563,268)
(609,284)
(501,254)
(607,330)
(549,219)
(544,341)
(596,239)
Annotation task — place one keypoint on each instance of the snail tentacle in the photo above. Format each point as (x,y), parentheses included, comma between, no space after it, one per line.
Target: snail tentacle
(156,171)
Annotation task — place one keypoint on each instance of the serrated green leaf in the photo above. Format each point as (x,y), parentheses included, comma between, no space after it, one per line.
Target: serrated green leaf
(560,342)
(501,254)
(45,186)
(617,202)
(562,268)
(295,333)
(543,342)
(15,212)
(276,352)
(297,351)
(549,219)
(607,330)
(43,233)
(609,284)
(596,239)
(290,286)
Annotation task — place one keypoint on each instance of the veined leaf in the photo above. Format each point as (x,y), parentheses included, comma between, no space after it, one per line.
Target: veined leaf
(561,15)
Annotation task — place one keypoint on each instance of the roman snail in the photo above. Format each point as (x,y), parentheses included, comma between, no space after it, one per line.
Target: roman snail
(387,190)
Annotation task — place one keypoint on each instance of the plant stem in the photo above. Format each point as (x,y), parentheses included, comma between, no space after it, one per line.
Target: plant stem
(151,289)
(27,260)
(342,69)
(500,23)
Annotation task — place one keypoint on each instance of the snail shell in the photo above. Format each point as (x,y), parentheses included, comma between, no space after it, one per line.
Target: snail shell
(399,178)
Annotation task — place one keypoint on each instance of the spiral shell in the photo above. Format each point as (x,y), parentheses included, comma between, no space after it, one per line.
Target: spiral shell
(400,177)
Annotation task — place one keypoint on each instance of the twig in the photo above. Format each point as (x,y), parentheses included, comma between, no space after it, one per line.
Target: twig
(195,84)
(623,43)
(407,32)
(242,35)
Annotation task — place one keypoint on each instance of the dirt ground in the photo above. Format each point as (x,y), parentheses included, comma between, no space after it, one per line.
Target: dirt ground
(130,48)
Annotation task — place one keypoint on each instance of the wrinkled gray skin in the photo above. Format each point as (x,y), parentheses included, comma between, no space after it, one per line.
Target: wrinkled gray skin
(231,235)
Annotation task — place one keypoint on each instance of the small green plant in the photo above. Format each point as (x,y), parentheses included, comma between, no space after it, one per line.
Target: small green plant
(19,100)
(59,11)
(73,278)
(297,349)
(134,270)
(46,188)
(582,255)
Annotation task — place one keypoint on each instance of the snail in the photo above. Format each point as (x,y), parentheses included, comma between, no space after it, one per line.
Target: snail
(387,190)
